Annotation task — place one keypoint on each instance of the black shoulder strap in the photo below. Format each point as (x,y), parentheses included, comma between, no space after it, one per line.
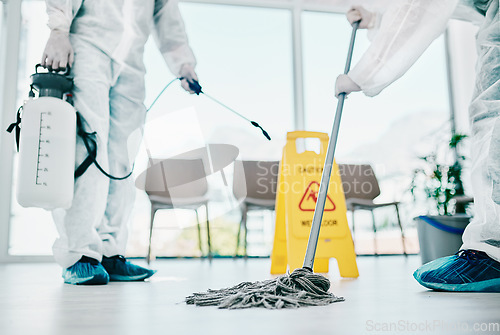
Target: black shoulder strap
(91,149)
(17,126)
(91,145)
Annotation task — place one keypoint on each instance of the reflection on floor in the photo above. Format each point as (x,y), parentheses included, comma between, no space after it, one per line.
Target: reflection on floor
(385,299)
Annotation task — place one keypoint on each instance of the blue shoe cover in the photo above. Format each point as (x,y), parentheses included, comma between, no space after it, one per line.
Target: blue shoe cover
(120,269)
(466,271)
(87,271)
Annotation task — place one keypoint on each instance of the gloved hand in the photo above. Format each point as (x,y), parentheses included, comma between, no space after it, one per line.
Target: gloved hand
(357,13)
(58,53)
(345,84)
(187,72)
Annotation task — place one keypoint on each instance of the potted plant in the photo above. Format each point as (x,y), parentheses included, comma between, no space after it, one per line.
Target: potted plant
(440,232)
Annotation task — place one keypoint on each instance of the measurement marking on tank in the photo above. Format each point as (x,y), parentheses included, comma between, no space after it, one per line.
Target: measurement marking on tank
(40,169)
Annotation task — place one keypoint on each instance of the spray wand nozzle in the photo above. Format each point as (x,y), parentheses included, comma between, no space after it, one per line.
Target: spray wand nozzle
(196,87)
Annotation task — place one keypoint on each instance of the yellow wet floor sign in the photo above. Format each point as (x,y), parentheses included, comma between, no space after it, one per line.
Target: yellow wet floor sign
(298,186)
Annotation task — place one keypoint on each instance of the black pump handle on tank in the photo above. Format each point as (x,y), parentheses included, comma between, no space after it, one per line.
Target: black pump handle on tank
(52,83)
(67,71)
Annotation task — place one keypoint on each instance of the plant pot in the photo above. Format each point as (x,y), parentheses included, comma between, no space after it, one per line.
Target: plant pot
(440,236)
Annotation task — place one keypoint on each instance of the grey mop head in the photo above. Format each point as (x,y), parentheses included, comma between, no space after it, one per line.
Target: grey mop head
(301,288)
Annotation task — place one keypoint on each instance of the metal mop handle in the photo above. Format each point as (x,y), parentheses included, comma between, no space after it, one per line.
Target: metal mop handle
(327,170)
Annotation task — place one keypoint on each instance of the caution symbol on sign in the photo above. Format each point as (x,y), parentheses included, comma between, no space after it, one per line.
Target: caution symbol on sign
(310,197)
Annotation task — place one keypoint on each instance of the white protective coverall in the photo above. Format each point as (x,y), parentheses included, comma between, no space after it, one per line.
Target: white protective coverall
(405,30)
(108,39)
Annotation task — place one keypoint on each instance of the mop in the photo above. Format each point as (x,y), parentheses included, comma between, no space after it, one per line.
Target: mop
(302,287)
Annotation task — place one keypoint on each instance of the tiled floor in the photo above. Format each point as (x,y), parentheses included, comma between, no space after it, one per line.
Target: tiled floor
(385,299)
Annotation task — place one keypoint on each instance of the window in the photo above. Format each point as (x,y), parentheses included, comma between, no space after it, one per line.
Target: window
(388,131)
(244,60)
(245,65)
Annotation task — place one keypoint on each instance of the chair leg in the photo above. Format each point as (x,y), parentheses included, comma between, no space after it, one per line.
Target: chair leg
(244,223)
(401,228)
(199,230)
(208,234)
(374,234)
(243,209)
(353,229)
(153,212)
(237,241)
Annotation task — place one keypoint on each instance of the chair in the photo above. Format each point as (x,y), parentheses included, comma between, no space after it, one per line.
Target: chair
(254,186)
(191,195)
(361,188)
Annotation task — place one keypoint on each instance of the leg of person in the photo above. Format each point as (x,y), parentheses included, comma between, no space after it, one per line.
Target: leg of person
(79,248)
(483,233)
(476,267)
(127,114)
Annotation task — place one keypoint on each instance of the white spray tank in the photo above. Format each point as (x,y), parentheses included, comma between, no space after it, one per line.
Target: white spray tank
(47,143)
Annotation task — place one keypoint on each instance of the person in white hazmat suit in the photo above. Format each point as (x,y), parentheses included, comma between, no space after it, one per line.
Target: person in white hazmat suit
(401,35)
(103,43)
